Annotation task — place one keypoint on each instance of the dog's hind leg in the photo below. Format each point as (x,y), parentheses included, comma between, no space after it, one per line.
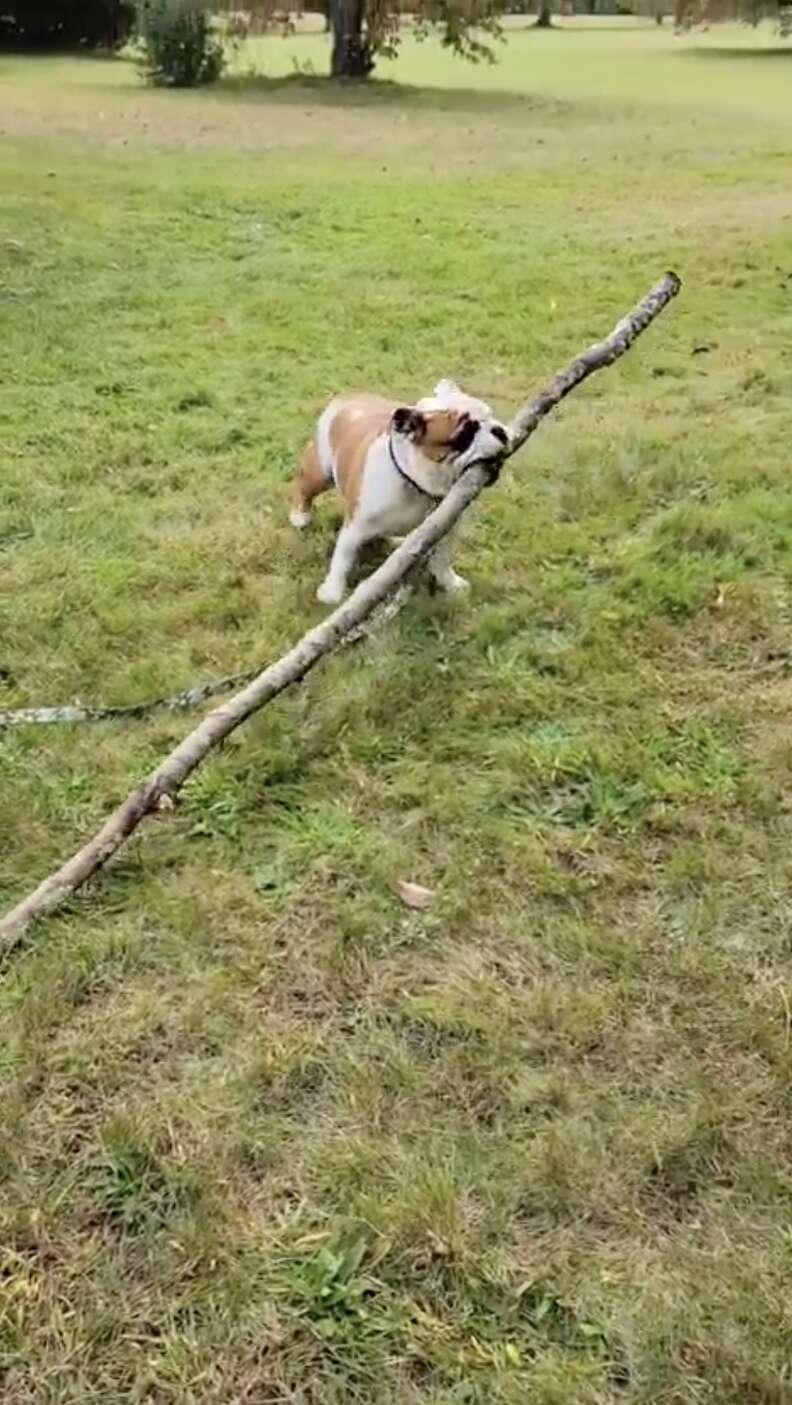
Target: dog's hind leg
(309,481)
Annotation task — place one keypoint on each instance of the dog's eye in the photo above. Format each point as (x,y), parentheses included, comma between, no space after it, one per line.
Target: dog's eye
(500,433)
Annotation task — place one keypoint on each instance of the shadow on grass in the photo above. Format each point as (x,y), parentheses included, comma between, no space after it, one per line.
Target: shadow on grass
(569,27)
(299,89)
(737,53)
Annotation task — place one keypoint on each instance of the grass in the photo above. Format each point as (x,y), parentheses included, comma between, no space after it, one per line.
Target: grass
(267,1136)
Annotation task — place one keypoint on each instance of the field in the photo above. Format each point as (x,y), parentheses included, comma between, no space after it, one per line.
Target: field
(266,1135)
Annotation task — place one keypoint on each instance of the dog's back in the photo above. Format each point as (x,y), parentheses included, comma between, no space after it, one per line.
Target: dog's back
(346,430)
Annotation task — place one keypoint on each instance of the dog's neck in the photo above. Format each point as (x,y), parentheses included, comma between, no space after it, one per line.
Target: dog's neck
(432,477)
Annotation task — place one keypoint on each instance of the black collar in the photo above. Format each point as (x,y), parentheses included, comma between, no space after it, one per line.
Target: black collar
(433,497)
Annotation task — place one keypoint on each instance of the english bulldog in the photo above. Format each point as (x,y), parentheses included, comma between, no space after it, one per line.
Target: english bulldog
(392,464)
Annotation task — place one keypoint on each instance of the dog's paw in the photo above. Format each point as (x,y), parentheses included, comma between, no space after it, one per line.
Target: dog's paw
(453,583)
(300,519)
(329,593)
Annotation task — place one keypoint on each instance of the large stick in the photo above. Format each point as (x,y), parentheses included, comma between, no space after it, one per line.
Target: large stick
(170,776)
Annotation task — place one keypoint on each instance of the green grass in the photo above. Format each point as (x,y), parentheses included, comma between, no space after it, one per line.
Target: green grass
(267,1136)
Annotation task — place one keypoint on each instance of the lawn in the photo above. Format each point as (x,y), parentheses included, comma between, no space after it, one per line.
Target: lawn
(266,1135)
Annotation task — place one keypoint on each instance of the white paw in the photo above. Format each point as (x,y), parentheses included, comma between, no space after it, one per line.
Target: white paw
(299,519)
(329,593)
(453,582)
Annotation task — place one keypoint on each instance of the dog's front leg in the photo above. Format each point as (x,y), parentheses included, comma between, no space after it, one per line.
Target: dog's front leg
(438,564)
(333,587)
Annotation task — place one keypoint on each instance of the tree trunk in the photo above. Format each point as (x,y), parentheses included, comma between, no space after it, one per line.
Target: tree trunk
(544,19)
(351,53)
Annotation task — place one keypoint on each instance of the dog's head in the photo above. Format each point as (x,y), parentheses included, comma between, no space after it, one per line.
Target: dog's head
(448,424)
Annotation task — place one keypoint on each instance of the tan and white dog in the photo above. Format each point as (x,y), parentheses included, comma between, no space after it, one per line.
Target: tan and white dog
(392,465)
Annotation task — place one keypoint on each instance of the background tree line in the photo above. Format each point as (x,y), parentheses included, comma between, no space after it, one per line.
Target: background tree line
(363,30)
(65,23)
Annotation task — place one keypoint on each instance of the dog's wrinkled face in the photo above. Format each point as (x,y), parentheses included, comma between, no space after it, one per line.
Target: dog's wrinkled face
(452,425)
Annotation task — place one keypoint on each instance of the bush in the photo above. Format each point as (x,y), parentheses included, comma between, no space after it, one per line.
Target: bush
(181,48)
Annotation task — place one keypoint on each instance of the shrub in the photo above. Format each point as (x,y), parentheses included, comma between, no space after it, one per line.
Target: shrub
(181,47)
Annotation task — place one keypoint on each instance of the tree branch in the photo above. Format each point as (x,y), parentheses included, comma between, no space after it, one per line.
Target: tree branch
(170,776)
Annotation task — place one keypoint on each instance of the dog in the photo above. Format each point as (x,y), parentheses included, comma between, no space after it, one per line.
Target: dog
(392,464)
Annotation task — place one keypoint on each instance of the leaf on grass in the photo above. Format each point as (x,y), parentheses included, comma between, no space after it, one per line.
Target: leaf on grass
(413,895)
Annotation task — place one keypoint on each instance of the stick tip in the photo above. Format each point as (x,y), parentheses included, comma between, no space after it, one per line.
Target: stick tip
(674,279)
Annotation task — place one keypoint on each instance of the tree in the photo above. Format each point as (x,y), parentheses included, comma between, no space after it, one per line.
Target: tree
(365,30)
(354,43)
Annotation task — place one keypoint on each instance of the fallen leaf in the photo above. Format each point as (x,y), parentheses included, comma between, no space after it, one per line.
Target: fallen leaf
(413,895)
(720,598)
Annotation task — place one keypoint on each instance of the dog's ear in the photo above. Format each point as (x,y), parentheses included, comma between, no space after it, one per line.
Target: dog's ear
(405,420)
(446,387)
